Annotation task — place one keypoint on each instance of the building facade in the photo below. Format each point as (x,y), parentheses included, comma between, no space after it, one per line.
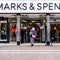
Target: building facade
(18,17)
(46,25)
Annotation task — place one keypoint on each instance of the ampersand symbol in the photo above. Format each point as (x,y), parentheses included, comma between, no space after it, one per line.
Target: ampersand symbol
(31,6)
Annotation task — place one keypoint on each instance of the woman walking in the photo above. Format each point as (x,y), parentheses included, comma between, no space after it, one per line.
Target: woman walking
(32,35)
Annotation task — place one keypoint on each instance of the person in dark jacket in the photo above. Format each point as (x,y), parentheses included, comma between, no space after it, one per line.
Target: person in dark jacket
(32,35)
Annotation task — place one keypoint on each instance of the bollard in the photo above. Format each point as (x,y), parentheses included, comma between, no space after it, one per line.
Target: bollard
(18,42)
(48,43)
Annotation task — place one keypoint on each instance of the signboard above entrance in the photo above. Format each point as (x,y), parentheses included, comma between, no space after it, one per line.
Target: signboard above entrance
(29,6)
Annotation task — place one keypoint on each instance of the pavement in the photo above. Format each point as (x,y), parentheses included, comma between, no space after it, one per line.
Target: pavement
(29,47)
(29,57)
(27,52)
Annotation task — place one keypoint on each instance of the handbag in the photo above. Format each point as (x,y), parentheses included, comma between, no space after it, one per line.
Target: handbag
(33,36)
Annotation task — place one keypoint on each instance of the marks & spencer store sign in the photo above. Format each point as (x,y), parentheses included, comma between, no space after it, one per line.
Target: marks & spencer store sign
(29,6)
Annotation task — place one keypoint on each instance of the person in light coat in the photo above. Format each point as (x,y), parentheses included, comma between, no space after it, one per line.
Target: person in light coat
(32,35)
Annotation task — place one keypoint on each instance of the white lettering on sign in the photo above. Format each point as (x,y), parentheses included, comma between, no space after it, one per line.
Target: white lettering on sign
(29,6)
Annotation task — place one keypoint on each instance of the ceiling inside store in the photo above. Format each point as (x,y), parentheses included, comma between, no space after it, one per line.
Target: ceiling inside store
(30,15)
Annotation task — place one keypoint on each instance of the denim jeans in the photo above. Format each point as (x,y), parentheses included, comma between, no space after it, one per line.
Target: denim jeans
(32,40)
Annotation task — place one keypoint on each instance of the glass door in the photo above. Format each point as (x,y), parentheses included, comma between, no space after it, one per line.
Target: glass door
(55,32)
(3,31)
(58,33)
(35,24)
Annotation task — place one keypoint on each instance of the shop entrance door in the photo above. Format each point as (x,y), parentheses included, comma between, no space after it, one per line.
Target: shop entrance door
(40,30)
(3,31)
(55,32)
(58,33)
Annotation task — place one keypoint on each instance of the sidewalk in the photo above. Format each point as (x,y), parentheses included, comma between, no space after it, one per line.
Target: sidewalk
(29,47)
(29,57)
(26,52)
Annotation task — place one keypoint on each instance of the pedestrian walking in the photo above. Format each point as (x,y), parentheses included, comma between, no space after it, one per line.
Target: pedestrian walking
(32,36)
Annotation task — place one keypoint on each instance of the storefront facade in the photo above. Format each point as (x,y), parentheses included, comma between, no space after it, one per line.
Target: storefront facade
(39,21)
(18,17)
